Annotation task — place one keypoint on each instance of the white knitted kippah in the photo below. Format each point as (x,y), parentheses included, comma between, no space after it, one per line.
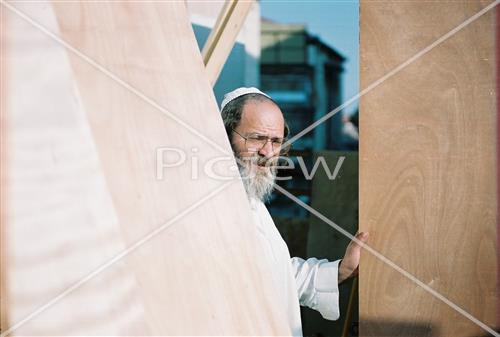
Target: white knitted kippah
(240,92)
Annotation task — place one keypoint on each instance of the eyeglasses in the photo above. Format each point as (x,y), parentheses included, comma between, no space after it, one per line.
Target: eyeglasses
(256,142)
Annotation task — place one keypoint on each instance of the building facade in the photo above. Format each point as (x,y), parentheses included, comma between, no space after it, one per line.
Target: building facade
(303,75)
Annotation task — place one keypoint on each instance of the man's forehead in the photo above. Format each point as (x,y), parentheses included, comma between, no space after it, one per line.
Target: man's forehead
(262,110)
(263,117)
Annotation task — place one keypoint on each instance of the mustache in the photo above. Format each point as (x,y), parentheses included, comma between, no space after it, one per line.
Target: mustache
(258,160)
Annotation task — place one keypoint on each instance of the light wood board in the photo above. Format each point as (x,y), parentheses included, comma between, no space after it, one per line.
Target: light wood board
(428,171)
(223,35)
(130,66)
(58,220)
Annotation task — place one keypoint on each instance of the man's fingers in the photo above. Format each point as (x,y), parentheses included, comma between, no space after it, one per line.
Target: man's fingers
(350,262)
(362,236)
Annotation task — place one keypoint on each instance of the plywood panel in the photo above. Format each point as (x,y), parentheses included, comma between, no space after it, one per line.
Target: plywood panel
(427,168)
(206,269)
(58,220)
(196,267)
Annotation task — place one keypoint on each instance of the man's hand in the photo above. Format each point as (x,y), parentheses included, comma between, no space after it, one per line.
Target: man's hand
(349,264)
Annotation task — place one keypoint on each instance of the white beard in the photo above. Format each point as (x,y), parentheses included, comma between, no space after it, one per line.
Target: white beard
(258,184)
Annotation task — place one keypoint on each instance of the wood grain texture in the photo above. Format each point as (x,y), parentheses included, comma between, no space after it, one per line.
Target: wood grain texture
(428,168)
(203,274)
(58,221)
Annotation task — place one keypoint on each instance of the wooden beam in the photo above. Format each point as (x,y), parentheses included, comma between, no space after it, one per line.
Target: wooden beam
(222,37)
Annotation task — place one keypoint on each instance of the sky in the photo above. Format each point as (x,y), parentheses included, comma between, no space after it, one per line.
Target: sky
(335,22)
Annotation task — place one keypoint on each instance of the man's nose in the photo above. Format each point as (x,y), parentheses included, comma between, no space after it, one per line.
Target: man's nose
(267,149)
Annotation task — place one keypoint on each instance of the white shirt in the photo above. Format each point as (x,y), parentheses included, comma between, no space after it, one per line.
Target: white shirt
(312,283)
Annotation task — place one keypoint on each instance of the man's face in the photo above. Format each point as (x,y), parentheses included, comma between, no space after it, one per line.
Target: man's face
(259,118)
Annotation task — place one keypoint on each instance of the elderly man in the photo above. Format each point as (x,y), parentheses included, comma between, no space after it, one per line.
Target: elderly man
(256,129)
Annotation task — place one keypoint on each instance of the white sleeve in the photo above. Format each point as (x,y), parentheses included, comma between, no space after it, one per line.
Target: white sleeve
(317,285)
